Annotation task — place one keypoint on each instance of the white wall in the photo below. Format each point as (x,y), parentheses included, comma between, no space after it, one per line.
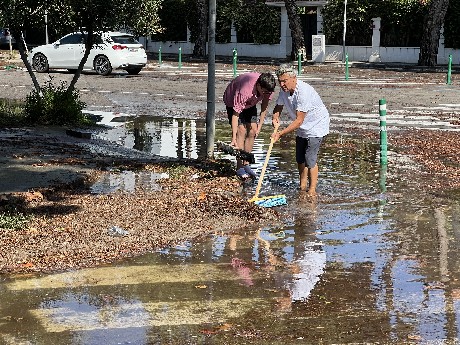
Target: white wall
(333,52)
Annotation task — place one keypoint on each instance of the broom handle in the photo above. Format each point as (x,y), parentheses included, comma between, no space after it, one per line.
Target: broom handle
(259,184)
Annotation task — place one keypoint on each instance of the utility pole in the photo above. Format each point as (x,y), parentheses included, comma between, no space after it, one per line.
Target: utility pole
(211,92)
(344,30)
(46,26)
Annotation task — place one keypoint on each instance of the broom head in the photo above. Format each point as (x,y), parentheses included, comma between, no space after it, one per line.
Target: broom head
(269,201)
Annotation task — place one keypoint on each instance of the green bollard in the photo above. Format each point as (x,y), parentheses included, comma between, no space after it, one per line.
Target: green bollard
(159,56)
(383,131)
(180,57)
(299,62)
(346,66)
(449,70)
(235,56)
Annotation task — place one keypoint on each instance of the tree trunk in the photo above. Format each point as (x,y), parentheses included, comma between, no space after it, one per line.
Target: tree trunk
(431,32)
(298,42)
(199,49)
(21,45)
(89,43)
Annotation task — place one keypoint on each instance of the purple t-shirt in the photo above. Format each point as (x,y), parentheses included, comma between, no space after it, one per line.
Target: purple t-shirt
(241,93)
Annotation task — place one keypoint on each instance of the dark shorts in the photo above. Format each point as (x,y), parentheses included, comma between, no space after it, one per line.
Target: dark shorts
(306,150)
(246,116)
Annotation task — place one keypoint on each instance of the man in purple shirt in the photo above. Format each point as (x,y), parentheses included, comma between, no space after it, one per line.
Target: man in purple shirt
(241,97)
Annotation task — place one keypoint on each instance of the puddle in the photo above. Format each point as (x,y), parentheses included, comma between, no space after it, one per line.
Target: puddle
(374,260)
(127,181)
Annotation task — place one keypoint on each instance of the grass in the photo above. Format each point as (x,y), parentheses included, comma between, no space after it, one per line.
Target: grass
(13,221)
(11,113)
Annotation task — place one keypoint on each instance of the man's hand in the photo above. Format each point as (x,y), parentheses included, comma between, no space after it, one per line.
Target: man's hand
(234,144)
(276,136)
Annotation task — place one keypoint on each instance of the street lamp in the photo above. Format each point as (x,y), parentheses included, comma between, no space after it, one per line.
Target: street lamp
(46,26)
(344,29)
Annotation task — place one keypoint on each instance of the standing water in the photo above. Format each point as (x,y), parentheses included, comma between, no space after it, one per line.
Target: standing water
(373,260)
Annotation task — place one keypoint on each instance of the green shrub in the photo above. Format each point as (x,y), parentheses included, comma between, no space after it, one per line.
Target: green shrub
(54,105)
(11,113)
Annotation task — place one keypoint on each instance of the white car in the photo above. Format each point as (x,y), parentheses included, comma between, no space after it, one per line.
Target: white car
(113,50)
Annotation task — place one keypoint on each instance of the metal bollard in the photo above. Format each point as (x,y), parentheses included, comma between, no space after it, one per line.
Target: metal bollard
(235,56)
(449,70)
(383,131)
(180,57)
(159,56)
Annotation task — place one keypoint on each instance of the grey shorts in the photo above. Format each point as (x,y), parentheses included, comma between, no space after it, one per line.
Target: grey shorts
(246,116)
(306,150)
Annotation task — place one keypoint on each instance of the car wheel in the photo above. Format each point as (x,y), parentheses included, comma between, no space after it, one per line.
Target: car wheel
(134,71)
(40,63)
(102,65)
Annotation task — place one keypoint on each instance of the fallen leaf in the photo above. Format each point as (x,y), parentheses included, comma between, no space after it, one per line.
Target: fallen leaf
(28,265)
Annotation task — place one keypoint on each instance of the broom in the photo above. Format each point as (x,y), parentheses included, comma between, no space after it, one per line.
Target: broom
(267,201)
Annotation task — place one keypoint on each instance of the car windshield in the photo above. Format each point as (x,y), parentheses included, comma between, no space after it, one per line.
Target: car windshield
(125,39)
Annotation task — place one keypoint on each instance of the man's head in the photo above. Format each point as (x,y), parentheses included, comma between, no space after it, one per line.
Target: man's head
(287,77)
(266,82)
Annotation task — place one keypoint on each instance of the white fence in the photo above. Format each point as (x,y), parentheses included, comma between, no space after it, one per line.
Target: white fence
(332,52)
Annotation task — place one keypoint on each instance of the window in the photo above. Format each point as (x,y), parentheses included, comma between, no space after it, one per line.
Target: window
(73,39)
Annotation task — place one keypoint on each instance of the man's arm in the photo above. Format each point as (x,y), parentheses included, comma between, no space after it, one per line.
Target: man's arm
(276,115)
(263,113)
(300,116)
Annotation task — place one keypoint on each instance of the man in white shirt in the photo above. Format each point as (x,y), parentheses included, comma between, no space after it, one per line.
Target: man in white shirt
(310,119)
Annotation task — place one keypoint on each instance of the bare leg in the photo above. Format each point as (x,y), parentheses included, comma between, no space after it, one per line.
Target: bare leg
(251,130)
(313,180)
(240,140)
(308,178)
(303,175)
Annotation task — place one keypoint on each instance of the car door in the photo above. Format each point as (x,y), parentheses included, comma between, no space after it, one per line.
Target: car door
(66,51)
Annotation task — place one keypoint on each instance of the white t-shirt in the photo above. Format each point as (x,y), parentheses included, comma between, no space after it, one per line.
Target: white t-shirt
(306,99)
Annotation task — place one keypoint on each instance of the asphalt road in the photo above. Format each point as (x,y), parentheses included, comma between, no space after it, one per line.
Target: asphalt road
(415,98)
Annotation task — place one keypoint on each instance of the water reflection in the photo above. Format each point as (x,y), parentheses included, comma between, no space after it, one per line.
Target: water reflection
(167,137)
(374,260)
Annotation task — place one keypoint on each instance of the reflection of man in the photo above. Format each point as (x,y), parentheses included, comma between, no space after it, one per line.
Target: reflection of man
(305,271)
(308,270)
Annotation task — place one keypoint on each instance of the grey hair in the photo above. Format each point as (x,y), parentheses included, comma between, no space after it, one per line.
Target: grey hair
(285,69)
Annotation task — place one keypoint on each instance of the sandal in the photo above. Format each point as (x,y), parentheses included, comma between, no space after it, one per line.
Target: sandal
(249,171)
(242,174)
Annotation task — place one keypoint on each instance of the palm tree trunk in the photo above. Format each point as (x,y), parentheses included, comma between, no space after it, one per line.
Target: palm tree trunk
(199,49)
(298,41)
(431,32)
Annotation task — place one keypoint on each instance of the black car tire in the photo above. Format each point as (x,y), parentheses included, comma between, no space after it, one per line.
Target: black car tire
(134,71)
(102,65)
(40,63)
